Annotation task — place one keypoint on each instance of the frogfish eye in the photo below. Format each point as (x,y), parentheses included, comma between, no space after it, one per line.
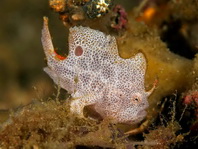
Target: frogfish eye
(136,99)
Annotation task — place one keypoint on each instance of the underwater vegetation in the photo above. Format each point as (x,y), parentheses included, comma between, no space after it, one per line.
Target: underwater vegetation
(165,33)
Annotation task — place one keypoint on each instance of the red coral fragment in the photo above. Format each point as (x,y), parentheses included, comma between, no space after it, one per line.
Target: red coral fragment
(121,18)
(191,98)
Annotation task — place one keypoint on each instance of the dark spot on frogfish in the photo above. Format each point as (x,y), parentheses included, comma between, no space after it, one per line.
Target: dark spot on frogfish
(78,51)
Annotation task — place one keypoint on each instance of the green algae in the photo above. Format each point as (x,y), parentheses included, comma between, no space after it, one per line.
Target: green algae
(50,125)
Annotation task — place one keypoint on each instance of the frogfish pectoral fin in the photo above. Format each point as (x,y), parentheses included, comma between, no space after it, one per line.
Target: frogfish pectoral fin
(153,88)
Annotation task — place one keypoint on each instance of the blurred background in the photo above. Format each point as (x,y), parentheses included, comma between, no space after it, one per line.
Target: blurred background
(22,59)
(21,54)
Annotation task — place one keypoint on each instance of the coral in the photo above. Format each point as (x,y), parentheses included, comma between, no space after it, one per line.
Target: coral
(79,10)
(70,11)
(191,100)
(91,13)
(120,20)
(97,8)
(57,5)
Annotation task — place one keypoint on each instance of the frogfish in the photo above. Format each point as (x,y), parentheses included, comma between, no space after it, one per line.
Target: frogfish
(94,74)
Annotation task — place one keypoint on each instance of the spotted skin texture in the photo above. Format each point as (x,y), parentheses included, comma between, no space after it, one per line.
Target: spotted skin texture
(94,74)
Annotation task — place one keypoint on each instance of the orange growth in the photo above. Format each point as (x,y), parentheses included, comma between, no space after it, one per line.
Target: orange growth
(59,56)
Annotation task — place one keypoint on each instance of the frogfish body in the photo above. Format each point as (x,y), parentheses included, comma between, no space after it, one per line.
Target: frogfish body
(94,74)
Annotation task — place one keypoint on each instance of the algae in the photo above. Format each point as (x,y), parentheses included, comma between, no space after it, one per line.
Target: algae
(49,124)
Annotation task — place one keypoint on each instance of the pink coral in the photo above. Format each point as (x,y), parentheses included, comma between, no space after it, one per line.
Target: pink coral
(121,18)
